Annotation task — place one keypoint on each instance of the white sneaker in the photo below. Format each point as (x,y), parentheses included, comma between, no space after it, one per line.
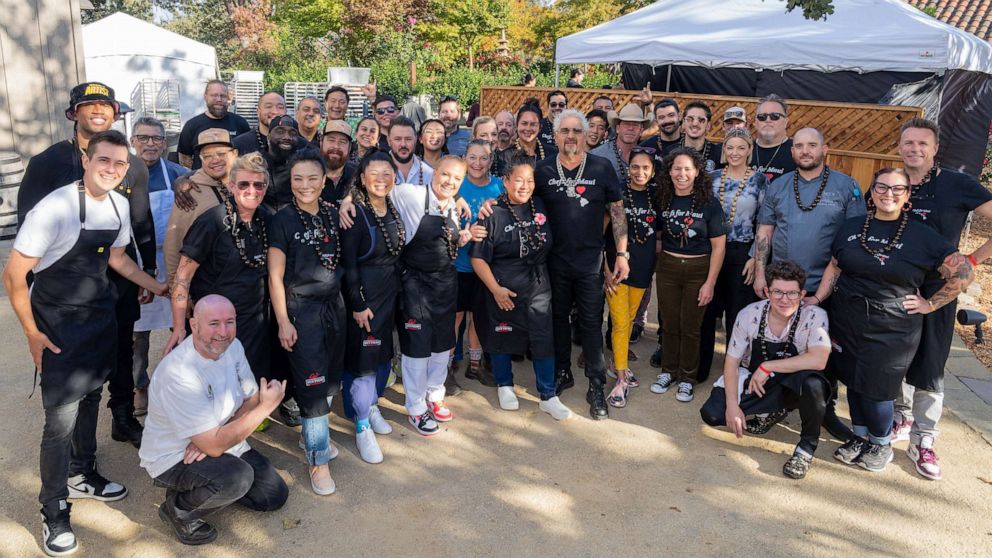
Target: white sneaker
(662,384)
(368,447)
(555,408)
(333,448)
(379,424)
(507,399)
(684,393)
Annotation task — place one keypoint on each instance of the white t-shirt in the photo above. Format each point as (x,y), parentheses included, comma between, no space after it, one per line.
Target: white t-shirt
(420,173)
(409,202)
(190,394)
(812,331)
(52,228)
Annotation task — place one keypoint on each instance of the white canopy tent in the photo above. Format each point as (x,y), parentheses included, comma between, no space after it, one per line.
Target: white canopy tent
(861,35)
(121,51)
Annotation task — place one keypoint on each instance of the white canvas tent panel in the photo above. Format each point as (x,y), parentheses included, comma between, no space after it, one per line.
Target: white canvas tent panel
(861,35)
(121,50)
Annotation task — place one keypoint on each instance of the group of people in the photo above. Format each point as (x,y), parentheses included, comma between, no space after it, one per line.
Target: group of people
(291,256)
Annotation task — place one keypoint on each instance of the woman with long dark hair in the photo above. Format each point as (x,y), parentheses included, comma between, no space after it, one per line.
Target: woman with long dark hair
(529,118)
(366,138)
(693,238)
(431,142)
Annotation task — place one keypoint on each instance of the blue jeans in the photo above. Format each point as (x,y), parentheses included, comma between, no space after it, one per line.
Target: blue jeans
(347,378)
(871,418)
(317,440)
(544,369)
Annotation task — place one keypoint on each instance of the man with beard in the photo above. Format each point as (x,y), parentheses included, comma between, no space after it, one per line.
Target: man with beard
(506,129)
(667,122)
(335,145)
(308,116)
(270,105)
(93,109)
(384,110)
(798,220)
(449,113)
(216,116)
(628,124)
(602,103)
(402,144)
(284,140)
(772,147)
(696,123)
(557,102)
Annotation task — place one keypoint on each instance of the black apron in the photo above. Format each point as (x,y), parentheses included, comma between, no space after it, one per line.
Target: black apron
(380,275)
(73,304)
(426,318)
(783,389)
(875,341)
(529,324)
(315,306)
(926,372)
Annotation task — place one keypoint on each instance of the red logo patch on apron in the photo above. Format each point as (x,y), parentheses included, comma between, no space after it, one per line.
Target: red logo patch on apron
(503,327)
(371,341)
(314,379)
(412,324)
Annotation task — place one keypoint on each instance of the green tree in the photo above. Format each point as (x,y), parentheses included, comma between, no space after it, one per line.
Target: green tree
(141,9)
(468,21)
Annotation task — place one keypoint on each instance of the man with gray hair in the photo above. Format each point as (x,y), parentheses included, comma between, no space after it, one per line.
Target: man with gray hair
(308,116)
(772,146)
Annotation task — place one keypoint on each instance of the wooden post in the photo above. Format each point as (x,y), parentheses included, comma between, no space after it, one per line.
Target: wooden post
(413,75)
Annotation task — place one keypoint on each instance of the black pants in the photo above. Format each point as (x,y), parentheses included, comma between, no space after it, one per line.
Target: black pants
(831,421)
(586,291)
(121,381)
(203,487)
(68,445)
(730,296)
(811,402)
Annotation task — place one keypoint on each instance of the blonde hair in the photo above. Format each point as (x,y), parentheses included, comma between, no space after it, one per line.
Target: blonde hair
(743,134)
(479,122)
(252,162)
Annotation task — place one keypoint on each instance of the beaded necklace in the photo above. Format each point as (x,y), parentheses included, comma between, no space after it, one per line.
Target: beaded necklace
(529,242)
(819,192)
(887,247)
(737,194)
(624,170)
(638,226)
(391,248)
(319,233)
(789,340)
(538,148)
(451,243)
(240,242)
(706,148)
(926,178)
(261,142)
(683,235)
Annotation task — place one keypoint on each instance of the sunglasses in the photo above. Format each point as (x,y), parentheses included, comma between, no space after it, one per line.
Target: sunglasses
(646,150)
(556,104)
(243,185)
(775,116)
(448,99)
(390,110)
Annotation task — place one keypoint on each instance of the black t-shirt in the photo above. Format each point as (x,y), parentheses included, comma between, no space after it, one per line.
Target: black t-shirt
(773,161)
(250,142)
(896,273)
(280,191)
(944,202)
(305,275)
(333,191)
(641,221)
(512,261)
(576,214)
(222,271)
(711,153)
(547,133)
(233,123)
(687,230)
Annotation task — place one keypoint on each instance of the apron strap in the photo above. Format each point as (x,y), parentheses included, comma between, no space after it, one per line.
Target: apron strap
(165,174)
(82,205)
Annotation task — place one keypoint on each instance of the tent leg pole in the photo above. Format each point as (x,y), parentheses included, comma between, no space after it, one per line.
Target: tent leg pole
(557,74)
(668,80)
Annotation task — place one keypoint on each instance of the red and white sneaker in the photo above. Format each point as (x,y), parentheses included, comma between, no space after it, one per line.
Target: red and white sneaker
(924,458)
(439,411)
(901,427)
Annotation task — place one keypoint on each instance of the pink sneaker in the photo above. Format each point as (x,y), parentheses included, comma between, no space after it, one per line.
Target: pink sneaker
(901,428)
(924,458)
(438,410)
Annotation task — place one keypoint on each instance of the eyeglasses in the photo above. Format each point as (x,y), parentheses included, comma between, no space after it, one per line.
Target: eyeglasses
(390,110)
(258,186)
(778,294)
(645,150)
(567,131)
(215,155)
(157,140)
(882,188)
(775,116)
(557,104)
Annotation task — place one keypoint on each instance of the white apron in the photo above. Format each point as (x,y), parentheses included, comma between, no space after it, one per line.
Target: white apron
(157,314)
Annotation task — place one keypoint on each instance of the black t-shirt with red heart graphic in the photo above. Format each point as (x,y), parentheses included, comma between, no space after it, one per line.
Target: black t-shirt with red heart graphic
(642,218)
(687,230)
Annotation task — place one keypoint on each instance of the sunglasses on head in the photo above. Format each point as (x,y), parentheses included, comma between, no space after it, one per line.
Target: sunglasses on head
(243,185)
(448,99)
(390,110)
(645,150)
(775,116)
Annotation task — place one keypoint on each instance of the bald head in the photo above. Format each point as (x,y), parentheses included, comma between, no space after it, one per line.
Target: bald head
(806,133)
(809,151)
(211,304)
(214,325)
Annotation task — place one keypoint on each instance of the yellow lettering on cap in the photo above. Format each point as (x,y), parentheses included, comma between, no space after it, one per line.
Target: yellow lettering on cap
(99,250)
(96,89)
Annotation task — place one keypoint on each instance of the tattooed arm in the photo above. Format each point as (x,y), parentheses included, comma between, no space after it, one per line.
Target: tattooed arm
(762,251)
(829,281)
(180,301)
(621,267)
(957,273)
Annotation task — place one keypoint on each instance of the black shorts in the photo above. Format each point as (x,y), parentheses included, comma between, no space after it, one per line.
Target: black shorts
(468,285)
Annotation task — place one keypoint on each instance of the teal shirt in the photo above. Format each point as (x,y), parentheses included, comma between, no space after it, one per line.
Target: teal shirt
(475,196)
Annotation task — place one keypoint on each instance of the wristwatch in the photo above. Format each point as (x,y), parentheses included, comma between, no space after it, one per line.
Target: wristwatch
(624,255)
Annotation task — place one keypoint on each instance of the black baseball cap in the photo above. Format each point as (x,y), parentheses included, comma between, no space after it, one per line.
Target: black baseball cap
(285,121)
(91,92)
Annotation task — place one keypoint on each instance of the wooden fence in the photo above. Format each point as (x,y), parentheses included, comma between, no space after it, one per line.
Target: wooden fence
(862,137)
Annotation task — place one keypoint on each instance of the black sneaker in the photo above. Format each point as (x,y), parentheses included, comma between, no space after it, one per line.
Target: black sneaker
(191,532)
(875,457)
(290,413)
(94,485)
(451,386)
(656,358)
(761,425)
(597,402)
(482,372)
(563,380)
(56,531)
(635,333)
(797,466)
(124,427)
(851,451)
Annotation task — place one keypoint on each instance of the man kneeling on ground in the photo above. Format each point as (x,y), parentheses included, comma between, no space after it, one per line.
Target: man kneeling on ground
(203,403)
(778,349)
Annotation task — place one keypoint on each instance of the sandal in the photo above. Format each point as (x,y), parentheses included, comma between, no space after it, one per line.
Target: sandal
(797,466)
(761,425)
(618,395)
